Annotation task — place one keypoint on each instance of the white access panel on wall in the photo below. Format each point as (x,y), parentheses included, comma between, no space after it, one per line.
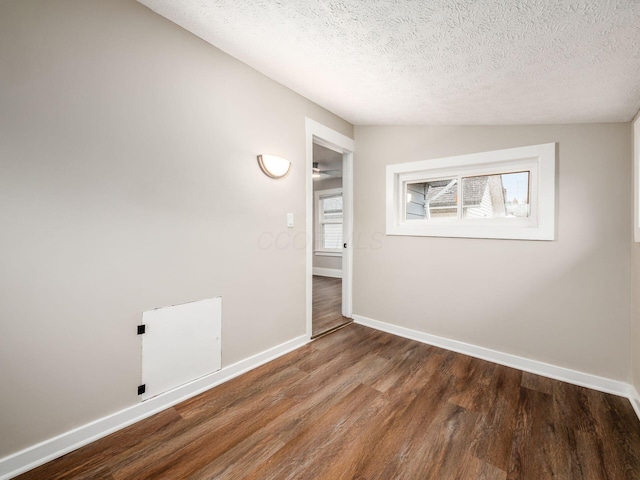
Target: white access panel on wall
(181,343)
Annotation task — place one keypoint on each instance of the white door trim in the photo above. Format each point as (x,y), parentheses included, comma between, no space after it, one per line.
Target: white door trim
(320,134)
(347,221)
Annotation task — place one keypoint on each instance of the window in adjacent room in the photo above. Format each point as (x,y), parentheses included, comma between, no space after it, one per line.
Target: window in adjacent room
(329,221)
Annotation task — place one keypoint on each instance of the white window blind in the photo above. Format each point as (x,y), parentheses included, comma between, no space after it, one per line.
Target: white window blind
(329,215)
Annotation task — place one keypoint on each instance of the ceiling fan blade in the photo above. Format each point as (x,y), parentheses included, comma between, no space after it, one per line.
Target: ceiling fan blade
(330,173)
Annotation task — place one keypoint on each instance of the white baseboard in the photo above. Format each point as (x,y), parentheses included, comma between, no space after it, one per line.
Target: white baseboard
(634,398)
(532,366)
(43,452)
(327,272)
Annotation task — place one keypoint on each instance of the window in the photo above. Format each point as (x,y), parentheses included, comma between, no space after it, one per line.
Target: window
(329,221)
(483,196)
(500,194)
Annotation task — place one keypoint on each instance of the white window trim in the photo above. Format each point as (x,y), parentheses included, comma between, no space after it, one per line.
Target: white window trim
(636,177)
(327,253)
(319,250)
(540,160)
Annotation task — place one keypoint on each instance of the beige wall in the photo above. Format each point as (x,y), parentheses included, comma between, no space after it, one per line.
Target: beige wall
(128,181)
(565,302)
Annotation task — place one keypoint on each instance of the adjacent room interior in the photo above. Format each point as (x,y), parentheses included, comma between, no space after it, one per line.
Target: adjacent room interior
(328,212)
(333,239)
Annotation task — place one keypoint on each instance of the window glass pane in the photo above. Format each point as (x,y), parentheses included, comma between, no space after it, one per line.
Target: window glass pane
(516,194)
(330,222)
(433,199)
(332,209)
(495,196)
(332,235)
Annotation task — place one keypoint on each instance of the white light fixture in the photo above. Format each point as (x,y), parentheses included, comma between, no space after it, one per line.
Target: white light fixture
(274,167)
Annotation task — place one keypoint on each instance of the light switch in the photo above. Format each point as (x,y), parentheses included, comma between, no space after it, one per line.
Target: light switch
(290,220)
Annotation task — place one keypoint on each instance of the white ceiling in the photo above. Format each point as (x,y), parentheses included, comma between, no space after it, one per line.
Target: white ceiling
(436,61)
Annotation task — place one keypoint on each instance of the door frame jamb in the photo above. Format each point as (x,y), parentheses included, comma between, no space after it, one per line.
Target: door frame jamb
(322,135)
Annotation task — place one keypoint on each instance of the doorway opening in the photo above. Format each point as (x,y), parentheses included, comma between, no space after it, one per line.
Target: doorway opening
(330,224)
(328,216)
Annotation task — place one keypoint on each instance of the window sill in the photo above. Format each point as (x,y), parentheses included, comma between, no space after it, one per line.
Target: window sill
(323,253)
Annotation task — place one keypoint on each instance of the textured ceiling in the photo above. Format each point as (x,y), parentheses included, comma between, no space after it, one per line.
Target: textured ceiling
(436,61)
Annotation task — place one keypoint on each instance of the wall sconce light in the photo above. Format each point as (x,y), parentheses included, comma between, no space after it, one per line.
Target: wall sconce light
(274,167)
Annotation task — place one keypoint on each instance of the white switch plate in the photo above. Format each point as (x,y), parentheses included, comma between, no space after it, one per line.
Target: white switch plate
(289,220)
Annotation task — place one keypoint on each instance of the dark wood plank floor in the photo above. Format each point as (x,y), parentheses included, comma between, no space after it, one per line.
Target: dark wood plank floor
(327,305)
(362,404)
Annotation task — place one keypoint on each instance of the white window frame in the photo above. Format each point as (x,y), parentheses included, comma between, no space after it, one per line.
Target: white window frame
(319,249)
(636,177)
(539,160)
